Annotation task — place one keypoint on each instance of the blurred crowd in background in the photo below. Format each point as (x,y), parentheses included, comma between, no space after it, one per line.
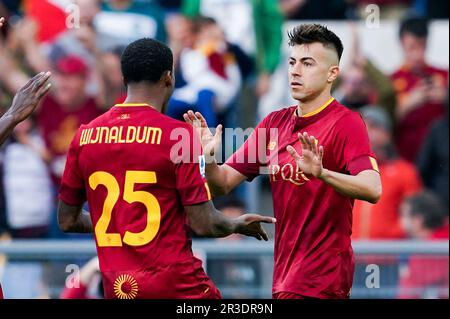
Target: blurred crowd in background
(226,53)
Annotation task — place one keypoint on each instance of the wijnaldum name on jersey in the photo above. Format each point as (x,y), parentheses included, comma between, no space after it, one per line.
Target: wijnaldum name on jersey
(121,135)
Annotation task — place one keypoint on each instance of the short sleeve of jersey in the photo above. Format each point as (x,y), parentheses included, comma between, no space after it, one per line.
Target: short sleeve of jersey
(354,146)
(251,157)
(72,191)
(190,173)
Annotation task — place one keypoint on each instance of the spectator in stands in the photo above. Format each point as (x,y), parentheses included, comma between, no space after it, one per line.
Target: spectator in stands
(363,83)
(112,77)
(424,218)
(255,26)
(181,35)
(123,21)
(421,90)
(382,220)
(63,111)
(433,160)
(90,285)
(210,72)
(80,38)
(28,187)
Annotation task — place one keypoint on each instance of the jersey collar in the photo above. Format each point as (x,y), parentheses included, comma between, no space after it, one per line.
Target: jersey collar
(317,111)
(133,105)
(307,119)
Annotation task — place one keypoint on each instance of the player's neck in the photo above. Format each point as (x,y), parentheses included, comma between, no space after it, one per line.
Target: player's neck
(145,95)
(307,107)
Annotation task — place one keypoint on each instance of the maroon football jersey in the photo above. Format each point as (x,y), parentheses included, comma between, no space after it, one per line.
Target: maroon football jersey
(138,168)
(313,254)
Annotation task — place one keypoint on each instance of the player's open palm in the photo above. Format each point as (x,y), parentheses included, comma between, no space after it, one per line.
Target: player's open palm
(310,162)
(210,142)
(29,96)
(250,225)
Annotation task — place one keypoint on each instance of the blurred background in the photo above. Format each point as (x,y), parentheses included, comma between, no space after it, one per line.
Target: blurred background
(231,60)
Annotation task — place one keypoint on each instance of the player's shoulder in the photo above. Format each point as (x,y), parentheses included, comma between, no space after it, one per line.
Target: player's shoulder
(167,122)
(346,117)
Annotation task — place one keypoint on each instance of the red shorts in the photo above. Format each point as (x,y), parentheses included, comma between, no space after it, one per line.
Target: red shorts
(181,280)
(289,295)
(1,292)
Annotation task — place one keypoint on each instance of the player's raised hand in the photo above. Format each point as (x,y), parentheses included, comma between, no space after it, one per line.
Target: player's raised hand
(310,162)
(250,225)
(210,142)
(28,97)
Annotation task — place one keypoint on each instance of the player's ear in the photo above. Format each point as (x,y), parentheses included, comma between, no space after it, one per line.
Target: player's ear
(333,73)
(168,79)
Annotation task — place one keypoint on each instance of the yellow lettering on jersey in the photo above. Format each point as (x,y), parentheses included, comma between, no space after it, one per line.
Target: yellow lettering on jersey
(120,135)
(156,136)
(131,134)
(275,169)
(82,137)
(140,139)
(113,135)
(91,131)
(97,136)
(104,133)
(121,139)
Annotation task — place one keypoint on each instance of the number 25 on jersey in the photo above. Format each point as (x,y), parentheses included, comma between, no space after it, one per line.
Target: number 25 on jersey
(105,239)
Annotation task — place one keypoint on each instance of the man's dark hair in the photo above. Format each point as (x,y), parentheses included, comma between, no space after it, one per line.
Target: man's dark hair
(146,60)
(311,33)
(427,205)
(414,25)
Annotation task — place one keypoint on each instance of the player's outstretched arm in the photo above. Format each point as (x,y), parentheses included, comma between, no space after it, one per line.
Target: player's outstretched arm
(206,221)
(222,179)
(24,103)
(364,186)
(72,219)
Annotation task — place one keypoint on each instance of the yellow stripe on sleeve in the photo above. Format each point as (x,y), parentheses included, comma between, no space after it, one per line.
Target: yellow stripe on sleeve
(374,164)
(208,191)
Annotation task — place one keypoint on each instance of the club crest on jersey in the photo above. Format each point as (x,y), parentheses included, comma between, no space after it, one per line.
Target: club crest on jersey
(271,146)
(202,165)
(125,287)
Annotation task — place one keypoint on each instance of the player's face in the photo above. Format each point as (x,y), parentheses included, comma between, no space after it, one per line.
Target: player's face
(312,68)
